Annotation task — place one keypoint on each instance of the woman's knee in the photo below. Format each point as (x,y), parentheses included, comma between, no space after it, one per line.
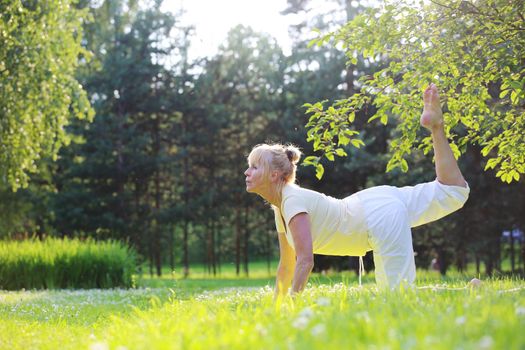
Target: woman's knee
(392,271)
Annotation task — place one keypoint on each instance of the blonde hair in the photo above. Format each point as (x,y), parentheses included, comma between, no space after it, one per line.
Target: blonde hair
(277,157)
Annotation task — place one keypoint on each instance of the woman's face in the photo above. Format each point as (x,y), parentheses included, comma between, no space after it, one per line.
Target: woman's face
(255,179)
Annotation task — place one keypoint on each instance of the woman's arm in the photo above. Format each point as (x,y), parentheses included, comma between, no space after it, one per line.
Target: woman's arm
(302,239)
(286,266)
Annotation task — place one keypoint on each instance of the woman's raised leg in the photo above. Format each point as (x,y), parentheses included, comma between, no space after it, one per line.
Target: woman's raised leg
(447,170)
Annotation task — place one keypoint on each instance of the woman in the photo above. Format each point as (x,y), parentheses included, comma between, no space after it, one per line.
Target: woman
(378,218)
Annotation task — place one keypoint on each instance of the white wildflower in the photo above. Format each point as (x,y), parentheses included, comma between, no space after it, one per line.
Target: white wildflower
(300,322)
(486,342)
(392,333)
(99,346)
(323,301)
(364,316)
(461,320)
(306,312)
(318,329)
(520,311)
(261,329)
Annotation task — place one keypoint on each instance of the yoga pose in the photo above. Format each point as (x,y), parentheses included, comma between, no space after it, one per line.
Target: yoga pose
(378,218)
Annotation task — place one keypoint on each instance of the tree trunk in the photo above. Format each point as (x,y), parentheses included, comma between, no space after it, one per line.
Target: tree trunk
(185,144)
(171,252)
(461,260)
(157,233)
(443,261)
(208,245)
(246,240)
(522,245)
(151,259)
(489,265)
(219,246)
(185,259)
(237,237)
(213,258)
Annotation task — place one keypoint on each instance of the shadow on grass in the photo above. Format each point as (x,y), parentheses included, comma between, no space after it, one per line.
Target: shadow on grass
(191,286)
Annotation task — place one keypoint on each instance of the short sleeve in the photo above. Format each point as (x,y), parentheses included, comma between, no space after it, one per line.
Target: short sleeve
(279,224)
(292,206)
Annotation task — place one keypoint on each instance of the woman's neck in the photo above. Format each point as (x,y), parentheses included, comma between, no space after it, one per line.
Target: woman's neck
(274,195)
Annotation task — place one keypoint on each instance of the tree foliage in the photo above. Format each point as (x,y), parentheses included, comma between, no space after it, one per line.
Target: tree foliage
(473,50)
(40,46)
(110,185)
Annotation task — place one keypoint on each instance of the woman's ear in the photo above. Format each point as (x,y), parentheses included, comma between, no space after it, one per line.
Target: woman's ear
(275,176)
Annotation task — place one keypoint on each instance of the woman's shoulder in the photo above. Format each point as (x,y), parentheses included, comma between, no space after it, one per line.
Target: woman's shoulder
(291,190)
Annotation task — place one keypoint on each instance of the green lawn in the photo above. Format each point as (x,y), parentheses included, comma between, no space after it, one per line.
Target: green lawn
(239,313)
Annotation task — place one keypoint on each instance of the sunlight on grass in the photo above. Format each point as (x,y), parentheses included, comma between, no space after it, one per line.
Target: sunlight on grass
(332,316)
(333,312)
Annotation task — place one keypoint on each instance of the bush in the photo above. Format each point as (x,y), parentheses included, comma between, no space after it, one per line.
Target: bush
(56,263)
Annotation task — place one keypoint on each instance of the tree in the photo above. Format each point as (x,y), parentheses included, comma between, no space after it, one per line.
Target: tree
(116,177)
(471,49)
(40,51)
(240,89)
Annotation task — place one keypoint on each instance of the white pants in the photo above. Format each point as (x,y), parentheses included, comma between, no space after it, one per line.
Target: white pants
(390,213)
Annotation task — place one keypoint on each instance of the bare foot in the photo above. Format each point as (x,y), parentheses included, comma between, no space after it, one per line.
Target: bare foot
(432,116)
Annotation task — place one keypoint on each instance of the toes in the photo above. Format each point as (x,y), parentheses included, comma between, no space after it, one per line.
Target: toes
(434,96)
(427,95)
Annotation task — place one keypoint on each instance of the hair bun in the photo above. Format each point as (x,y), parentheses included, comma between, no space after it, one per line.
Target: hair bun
(289,154)
(292,153)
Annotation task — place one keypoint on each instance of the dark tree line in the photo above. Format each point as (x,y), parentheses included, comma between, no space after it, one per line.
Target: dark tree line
(161,165)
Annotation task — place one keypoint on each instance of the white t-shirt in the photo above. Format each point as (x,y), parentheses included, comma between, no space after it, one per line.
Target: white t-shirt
(338,226)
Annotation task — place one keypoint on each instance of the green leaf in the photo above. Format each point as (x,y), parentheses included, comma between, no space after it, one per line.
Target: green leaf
(357,143)
(311,160)
(312,43)
(374,117)
(404,165)
(491,163)
(340,152)
(343,140)
(487,149)
(319,171)
(516,85)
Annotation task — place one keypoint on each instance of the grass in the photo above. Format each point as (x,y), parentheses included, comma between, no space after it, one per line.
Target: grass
(65,263)
(230,313)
